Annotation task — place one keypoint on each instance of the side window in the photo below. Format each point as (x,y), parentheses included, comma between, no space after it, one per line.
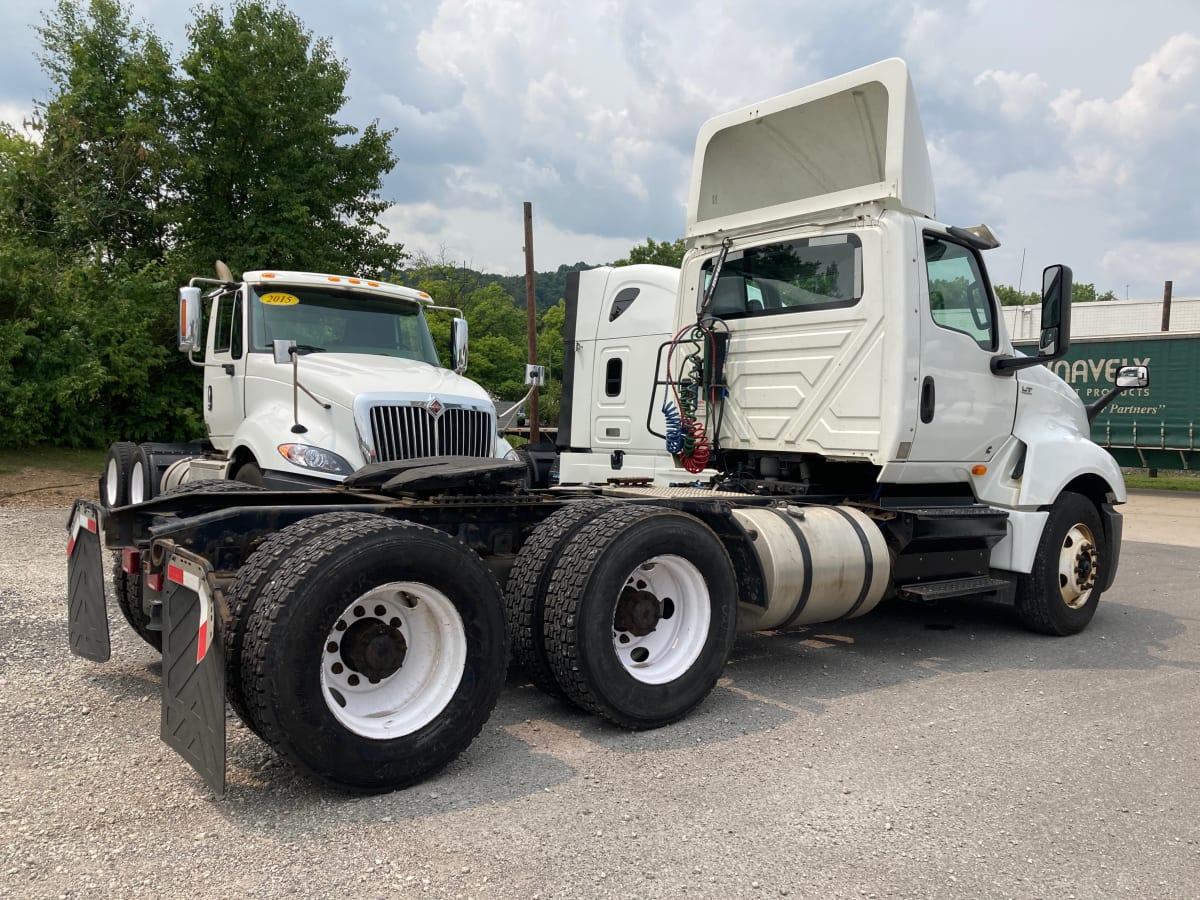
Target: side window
(612,378)
(958,295)
(227,325)
(787,277)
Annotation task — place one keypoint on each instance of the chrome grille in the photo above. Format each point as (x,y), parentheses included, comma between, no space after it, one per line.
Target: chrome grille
(407,432)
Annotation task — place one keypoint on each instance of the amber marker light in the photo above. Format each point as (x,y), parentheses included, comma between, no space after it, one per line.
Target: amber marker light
(978,470)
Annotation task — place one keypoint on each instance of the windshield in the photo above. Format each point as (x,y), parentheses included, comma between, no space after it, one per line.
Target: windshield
(339,321)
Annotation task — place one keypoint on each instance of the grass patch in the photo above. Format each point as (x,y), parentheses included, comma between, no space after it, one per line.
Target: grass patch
(1174,481)
(58,459)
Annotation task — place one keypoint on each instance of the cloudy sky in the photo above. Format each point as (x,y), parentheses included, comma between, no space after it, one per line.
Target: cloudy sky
(1071,127)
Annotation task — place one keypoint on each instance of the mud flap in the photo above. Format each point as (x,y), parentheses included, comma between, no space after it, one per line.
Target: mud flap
(193,656)
(87,615)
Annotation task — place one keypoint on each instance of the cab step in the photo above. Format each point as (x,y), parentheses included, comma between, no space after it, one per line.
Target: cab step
(932,591)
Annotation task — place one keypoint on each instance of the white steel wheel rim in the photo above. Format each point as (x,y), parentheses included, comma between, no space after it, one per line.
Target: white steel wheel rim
(684,616)
(137,483)
(414,694)
(112,483)
(1077,566)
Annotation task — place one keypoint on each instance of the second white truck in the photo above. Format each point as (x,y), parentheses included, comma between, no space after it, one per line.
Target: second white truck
(307,377)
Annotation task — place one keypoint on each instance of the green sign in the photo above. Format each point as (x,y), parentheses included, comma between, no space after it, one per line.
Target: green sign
(1154,426)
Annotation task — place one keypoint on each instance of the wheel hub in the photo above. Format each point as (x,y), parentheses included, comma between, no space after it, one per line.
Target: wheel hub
(373,649)
(638,612)
(1085,566)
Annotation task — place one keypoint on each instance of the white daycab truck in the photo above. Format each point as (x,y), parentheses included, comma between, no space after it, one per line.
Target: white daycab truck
(308,377)
(849,415)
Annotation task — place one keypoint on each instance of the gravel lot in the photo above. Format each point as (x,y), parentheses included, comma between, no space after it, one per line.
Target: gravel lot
(914,753)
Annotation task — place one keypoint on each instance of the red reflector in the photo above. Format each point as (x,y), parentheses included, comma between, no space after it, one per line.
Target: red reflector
(131,560)
(154,581)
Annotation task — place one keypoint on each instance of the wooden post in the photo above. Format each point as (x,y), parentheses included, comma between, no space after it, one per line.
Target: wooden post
(531,320)
(1166,316)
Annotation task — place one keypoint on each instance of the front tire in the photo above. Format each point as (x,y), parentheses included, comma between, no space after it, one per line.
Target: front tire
(377,655)
(640,615)
(249,473)
(1059,597)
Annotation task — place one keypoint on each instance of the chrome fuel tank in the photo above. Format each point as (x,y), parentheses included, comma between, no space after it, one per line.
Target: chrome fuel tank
(819,563)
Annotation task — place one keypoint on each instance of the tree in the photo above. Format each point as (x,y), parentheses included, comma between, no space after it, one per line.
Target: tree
(1086,293)
(660,253)
(103,168)
(269,177)
(1010,296)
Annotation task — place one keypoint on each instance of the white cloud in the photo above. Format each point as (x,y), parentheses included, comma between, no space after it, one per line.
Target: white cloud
(1161,94)
(1020,93)
(15,115)
(1130,261)
(492,239)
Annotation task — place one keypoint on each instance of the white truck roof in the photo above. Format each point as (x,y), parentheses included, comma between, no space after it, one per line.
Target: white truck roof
(322,279)
(853,139)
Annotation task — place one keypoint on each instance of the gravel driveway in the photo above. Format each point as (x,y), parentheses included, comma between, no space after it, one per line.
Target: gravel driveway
(918,752)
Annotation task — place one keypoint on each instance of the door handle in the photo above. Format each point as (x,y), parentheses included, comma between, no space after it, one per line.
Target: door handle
(210,398)
(927,397)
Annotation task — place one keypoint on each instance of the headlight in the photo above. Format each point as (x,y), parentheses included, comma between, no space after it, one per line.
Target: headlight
(309,457)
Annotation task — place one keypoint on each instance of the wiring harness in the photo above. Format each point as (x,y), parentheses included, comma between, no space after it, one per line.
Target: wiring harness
(688,426)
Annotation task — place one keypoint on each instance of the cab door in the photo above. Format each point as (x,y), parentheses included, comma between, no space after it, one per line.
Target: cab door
(965,412)
(225,368)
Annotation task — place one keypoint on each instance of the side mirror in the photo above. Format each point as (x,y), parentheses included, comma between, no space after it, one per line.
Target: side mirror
(458,345)
(1056,312)
(1132,377)
(283,350)
(189,319)
(1127,377)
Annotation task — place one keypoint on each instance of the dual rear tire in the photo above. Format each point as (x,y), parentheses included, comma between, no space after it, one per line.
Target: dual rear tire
(370,659)
(636,609)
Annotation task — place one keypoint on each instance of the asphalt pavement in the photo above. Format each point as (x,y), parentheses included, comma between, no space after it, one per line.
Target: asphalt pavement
(916,752)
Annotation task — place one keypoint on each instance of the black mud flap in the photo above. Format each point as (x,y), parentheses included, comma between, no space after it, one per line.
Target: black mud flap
(193,657)
(87,616)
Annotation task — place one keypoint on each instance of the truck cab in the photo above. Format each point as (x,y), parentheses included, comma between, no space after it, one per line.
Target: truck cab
(309,376)
(863,348)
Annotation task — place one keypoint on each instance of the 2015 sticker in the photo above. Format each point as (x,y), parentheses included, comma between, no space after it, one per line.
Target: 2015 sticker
(280,299)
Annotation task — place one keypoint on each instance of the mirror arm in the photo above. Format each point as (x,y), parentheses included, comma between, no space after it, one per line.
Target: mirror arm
(1094,409)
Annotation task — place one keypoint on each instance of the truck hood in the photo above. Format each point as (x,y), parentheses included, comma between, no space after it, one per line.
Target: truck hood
(340,377)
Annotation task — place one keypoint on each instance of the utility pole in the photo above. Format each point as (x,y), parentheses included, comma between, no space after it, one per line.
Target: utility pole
(531,320)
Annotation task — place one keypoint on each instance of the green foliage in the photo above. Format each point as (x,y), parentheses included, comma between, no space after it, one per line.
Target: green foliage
(269,177)
(660,253)
(106,157)
(1080,293)
(1010,296)
(1086,293)
(144,174)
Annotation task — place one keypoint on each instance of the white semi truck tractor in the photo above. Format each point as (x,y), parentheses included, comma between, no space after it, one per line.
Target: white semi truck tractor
(307,377)
(841,419)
